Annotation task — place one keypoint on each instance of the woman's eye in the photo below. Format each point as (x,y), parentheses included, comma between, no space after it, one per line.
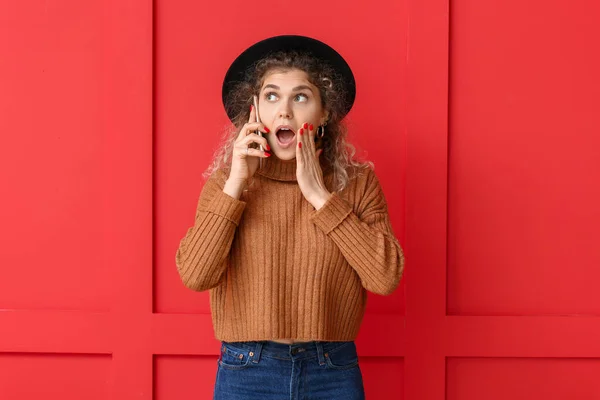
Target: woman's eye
(268,96)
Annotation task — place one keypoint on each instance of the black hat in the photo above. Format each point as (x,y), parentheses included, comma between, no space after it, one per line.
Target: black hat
(252,54)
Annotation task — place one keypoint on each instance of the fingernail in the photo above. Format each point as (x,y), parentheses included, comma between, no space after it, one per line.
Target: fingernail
(311,127)
(301,131)
(251,107)
(300,144)
(268,147)
(267,154)
(267,129)
(305,125)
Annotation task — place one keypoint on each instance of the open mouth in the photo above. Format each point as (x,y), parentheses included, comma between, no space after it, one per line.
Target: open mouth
(285,137)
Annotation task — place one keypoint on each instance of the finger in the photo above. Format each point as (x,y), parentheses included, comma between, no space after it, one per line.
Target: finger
(299,150)
(255,139)
(299,158)
(252,152)
(251,127)
(305,141)
(252,117)
(311,137)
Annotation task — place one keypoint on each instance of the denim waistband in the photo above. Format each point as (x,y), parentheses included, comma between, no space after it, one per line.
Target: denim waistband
(295,351)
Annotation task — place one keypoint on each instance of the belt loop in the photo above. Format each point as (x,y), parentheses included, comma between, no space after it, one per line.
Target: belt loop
(257,351)
(320,352)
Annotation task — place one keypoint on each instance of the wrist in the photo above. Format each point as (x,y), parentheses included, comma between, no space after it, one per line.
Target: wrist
(320,200)
(234,187)
(235,181)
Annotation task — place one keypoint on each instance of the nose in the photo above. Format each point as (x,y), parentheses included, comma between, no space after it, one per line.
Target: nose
(284,111)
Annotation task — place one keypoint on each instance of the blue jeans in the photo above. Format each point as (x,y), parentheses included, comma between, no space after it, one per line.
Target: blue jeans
(266,370)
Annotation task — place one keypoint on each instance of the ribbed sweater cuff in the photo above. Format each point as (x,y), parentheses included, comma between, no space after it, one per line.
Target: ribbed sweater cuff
(333,212)
(227,207)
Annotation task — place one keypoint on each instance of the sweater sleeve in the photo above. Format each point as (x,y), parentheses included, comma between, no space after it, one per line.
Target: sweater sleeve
(203,254)
(367,242)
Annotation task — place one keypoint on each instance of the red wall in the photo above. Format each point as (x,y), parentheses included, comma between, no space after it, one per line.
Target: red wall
(480,116)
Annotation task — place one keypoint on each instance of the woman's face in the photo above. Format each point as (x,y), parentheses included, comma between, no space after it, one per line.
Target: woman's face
(288,98)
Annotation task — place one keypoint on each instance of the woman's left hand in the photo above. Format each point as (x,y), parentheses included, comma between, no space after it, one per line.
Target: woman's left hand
(308,170)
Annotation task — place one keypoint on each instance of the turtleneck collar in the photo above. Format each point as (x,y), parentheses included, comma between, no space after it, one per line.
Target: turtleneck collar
(281,170)
(278,169)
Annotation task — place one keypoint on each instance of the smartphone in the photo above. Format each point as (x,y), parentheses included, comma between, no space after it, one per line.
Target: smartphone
(258,132)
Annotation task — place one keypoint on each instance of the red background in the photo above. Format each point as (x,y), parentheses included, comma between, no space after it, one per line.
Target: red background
(480,116)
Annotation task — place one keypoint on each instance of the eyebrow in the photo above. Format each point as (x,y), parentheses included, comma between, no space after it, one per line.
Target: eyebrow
(297,88)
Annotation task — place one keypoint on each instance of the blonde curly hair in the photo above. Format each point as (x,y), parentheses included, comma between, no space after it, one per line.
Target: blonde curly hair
(338,153)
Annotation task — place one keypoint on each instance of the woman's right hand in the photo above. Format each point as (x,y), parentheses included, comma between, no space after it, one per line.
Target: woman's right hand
(243,166)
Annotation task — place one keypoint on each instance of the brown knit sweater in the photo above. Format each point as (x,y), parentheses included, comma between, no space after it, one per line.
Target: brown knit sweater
(279,269)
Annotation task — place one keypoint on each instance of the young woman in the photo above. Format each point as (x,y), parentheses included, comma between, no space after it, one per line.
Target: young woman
(289,239)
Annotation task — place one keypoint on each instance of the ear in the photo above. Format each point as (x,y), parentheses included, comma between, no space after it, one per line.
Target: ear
(325,117)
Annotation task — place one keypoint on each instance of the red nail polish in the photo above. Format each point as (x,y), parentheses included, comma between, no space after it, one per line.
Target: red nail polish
(268,147)
(267,129)
(300,144)
(311,127)
(301,131)
(305,125)
(267,154)
(251,107)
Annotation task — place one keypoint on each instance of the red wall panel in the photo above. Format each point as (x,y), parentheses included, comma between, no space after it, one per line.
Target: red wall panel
(51,124)
(523,379)
(524,159)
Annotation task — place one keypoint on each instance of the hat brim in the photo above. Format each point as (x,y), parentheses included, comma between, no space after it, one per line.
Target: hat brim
(257,51)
